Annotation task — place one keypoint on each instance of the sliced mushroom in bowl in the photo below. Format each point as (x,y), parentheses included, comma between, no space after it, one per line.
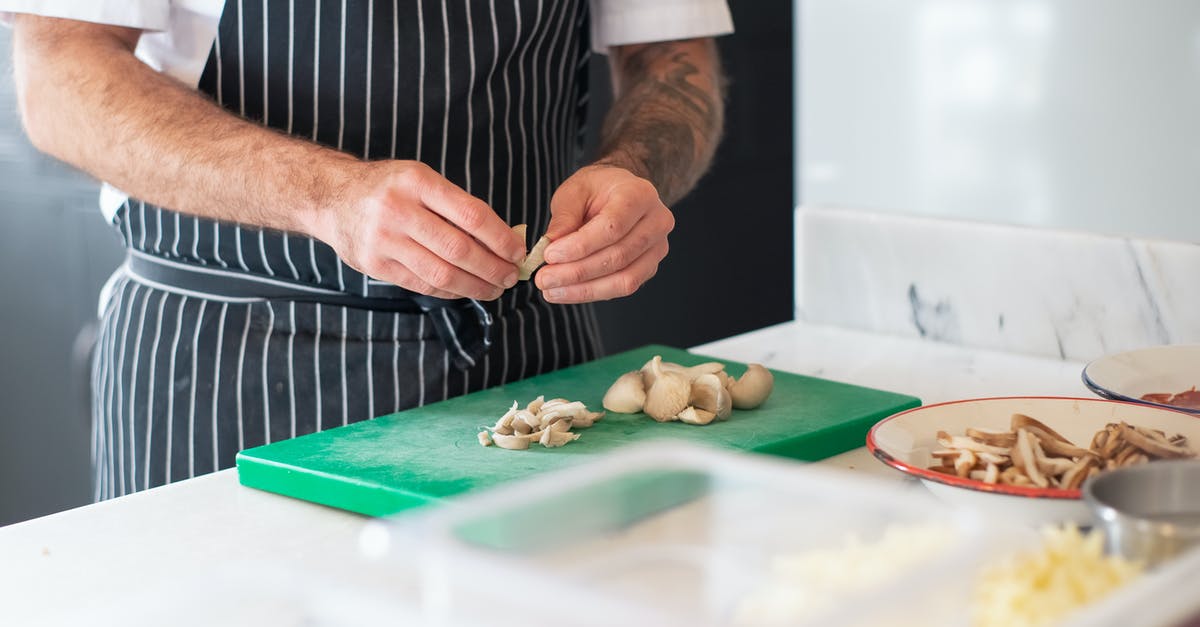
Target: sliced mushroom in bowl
(1026,457)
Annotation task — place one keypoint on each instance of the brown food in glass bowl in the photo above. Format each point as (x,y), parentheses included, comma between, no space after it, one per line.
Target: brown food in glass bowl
(1188,399)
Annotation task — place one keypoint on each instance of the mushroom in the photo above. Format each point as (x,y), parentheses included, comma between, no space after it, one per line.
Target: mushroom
(533,260)
(1025,460)
(709,395)
(504,425)
(586,419)
(965,443)
(511,442)
(752,388)
(696,416)
(1152,443)
(627,395)
(554,437)
(993,438)
(669,394)
(688,372)
(965,462)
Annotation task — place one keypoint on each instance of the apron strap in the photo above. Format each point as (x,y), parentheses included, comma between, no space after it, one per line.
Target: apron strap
(462,324)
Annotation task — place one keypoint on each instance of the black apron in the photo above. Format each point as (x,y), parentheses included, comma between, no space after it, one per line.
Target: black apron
(289,339)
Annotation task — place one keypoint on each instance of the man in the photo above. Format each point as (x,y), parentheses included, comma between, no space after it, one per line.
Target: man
(316,197)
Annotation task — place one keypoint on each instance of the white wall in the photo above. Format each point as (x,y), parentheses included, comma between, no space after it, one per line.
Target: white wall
(1081,114)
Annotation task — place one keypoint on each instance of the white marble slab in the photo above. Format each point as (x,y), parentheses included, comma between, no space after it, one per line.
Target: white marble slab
(1058,294)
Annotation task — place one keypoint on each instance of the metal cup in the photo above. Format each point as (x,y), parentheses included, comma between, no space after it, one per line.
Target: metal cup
(1149,512)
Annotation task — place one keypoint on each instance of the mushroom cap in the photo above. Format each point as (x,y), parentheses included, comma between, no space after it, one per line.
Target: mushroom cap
(668,396)
(627,395)
(753,387)
(710,395)
(695,416)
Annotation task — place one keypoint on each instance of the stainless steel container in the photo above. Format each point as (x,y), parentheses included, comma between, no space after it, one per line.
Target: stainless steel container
(1148,512)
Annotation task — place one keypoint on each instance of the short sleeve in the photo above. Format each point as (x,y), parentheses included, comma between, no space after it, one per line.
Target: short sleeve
(150,15)
(623,22)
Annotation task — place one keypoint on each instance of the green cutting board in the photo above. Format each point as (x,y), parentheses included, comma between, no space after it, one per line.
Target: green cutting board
(426,454)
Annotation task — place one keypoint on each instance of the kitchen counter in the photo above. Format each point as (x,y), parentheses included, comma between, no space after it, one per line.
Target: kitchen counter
(218,545)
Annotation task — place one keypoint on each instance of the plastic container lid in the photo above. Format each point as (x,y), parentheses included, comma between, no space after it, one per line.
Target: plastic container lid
(675,534)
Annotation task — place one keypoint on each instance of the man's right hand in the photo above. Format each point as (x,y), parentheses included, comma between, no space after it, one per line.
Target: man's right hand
(402,222)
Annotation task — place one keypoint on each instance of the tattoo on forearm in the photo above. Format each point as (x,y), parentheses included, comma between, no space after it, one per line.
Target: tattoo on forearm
(667,118)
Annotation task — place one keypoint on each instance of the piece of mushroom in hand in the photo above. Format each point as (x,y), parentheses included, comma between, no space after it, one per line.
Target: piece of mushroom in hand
(535,258)
(627,395)
(753,387)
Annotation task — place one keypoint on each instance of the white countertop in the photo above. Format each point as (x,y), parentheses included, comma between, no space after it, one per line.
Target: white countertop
(124,559)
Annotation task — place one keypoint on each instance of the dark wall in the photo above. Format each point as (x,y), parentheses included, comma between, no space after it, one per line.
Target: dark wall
(730,266)
(55,253)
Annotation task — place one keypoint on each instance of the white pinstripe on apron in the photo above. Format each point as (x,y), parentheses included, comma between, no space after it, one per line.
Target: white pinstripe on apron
(491,93)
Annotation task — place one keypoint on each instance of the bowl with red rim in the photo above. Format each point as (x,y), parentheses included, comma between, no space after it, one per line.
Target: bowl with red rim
(906,441)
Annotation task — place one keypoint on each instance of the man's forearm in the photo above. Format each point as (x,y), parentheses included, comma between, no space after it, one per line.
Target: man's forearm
(88,101)
(667,115)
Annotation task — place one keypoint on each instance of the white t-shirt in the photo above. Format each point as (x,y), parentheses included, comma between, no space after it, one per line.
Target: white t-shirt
(180,33)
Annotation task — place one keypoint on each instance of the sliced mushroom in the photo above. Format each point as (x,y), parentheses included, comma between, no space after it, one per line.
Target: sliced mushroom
(992,475)
(963,442)
(965,462)
(586,419)
(627,395)
(1025,460)
(533,260)
(1073,478)
(511,442)
(993,438)
(752,388)
(1021,421)
(1152,444)
(552,438)
(504,425)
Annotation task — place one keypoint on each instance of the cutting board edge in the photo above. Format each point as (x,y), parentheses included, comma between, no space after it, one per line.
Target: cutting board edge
(833,440)
(366,498)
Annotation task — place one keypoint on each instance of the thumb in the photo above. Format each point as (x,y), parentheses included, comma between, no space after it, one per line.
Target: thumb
(568,209)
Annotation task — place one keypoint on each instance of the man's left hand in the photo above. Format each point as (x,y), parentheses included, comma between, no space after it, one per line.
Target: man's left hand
(608,232)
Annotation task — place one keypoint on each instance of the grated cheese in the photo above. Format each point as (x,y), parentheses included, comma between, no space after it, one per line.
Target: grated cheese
(802,584)
(1041,587)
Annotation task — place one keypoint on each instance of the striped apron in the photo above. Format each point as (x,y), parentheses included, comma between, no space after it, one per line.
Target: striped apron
(492,93)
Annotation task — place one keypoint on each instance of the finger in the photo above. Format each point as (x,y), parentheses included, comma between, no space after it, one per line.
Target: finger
(458,249)
(615,285)
(397,273)
(615,258)
(612,221)
(441,274)
(472,215)
(568,207)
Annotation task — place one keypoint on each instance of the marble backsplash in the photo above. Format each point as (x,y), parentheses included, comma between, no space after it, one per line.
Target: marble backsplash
(1061,294)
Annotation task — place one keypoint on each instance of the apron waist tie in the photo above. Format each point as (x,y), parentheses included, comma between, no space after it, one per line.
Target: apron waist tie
(463,325)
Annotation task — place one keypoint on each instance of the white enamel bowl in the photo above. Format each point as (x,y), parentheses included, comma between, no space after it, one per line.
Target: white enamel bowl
(1127,376)
(904,441)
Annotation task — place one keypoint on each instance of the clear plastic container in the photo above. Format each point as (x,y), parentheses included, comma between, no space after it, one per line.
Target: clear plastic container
(673,534)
